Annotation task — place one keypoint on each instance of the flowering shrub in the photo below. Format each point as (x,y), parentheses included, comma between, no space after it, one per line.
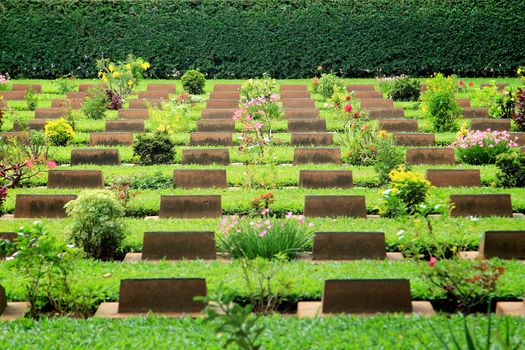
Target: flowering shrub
(4,81)
(519,110)
(401,88)
(266,237)
(500,104)
(339,99)
(59,132)
(96,104)
(440,103)
(482,147)
(3,196)
(256,88)
(464,87)
(315,84)
(469,284)
(407,191)
(172,117)
(256,116)
(122,77)
(328,84)
(23,161)
(262,202)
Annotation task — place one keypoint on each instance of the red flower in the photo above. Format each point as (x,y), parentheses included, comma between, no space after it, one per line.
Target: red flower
(348,98)
(432,261)
(461,83)
(471,84)
(51,164)
(348,108)
(356,114)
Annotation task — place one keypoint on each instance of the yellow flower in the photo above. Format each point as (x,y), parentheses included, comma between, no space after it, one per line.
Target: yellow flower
(116,74)
(425,109)
(111,68)
(100,74)
(145,65)
(105,78)
(130,82)
(383,134)
(519,70)
(128,66)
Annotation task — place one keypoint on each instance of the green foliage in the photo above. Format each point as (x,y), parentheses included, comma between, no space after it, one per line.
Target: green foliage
(45,264)
(96,104)
(511,168)
(172,117)
(402,88)
(440,103)
(156,148)
(193,82)
(328,84)
(31,99)
(264,237)
(97,226)
(519,111)
(500,104)
(482,147)
(236,323)
(59,132)
(387,158)
(253,88)
(66,84)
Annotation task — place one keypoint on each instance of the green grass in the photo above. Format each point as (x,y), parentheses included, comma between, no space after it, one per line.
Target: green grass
(281,332)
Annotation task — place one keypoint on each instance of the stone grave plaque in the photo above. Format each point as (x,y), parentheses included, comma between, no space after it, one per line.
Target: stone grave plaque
(225,95)
(178,245)
(206,156)
(42,205)
(171,88)
(368,94)
(33,124)
(360,87)
(376,102)
(210,139)
(73,103)
(492,124)
(7,236)
(211,125)
(37,88)
(21,136)
(218,114)
(129,125)
(499,86)
(295,94)
(13,95)
(3,300)
(50,113)
(326,178)
(469,113)
(98,156)
(454,177)
(385,113)
(138,114)
(398,125)
(199,178)
(299,103)
(190,206)
(154,95)
(414,139)
(79,95)
(222,104)
(307,125)
(75,179)
(86,87)
(111,138)
(367,296)
(434,156)
(481,205)
(349,245)
(293,87)
(316,155)
(463,102)
(312,139)
(335,206)
(170,295)
(143,104)
(227,87)
(301,113)
(503,245)
(518,137)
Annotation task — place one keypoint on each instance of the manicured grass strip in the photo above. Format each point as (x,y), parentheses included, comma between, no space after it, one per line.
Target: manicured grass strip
(281,332)
(305,279)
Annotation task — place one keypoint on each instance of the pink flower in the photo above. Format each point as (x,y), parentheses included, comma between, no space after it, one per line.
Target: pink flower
(265,211)
(432,261)
(348,108)
(263,233)
(29,163)
(311,224)
(258,125)
(289,215)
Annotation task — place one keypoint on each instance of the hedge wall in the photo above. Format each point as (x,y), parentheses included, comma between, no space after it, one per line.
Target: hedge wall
(244,38)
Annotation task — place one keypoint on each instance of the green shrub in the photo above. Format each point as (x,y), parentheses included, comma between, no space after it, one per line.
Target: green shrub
(31,99)
(193,82)
(264,237)
(404,89)
(440,103)
(387,158)
(328,84)
(66,84)
(97,226)
(254,88)
(511,169)
(59,132)
(95,104)
(156,148)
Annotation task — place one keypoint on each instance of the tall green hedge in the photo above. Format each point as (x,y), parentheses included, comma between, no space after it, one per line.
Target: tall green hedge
(244,38)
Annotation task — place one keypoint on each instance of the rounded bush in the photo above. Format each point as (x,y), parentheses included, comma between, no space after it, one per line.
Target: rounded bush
(59,132)
(193,82)
(155,148)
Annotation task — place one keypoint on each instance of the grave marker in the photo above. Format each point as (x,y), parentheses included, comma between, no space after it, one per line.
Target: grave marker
(469,113)
(129,125)
(316,155)
(73,103)
(222,104)
(434,156)
(293,87)
(206,156)
(335,206)
(299,103)
(307,125)
(385,113)
(75,179)
(226,114)
(86,87)
(50,113)
(481,205)
(349,245)
(111,138)
(137,114)
(454,177)
(294,94)
(312,139)
(301,113)
(398,125)
(376,102)
(199,178)
(492,124)
(503,245)
(190,206)
(368,94)
(210,125)
(171,88)
(143,104)
(42,205)
(360,87)
(326,178)
(414,139)
(225,95)
(211,139)
(189,245)
(227,87)
(37,88)
(155,95)
(97,156)
(13,95)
